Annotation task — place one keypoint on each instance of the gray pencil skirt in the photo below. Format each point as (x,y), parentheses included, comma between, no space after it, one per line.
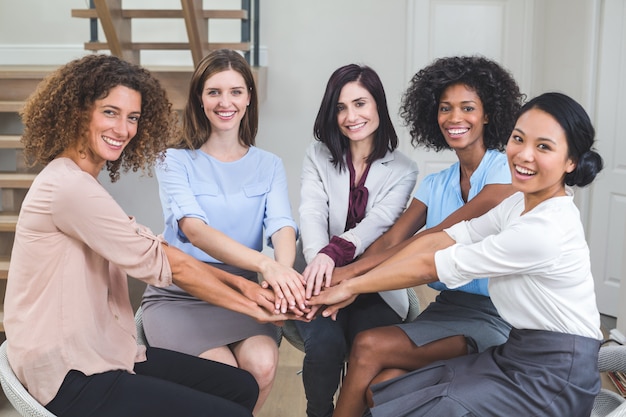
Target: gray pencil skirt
(459,313)
(176,320)
(535,373)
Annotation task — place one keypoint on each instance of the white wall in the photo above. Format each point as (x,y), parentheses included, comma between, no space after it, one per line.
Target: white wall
(304,41)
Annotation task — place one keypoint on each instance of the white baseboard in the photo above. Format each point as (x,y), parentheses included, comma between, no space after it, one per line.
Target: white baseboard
(617,335)
(61,54)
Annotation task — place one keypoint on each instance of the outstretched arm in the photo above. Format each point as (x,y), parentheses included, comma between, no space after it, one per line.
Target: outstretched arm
(284,243)
(412,220)
(221,288)
(285,281)
(413,265)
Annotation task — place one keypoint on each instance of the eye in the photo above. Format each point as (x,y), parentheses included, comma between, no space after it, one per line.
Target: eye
(212,93)
(544,147)
(444,109)
(134,119)
(340,107)
(468,108)
(516,138)
(359,104)
(237,92)
(109,112)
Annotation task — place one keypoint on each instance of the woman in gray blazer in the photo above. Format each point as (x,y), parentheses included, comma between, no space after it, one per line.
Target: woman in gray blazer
(355,185)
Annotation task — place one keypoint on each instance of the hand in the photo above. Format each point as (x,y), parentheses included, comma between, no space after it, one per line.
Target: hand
(263,316)
(287,285)
(314,311)
(264,297)
(335,298)
(318,273)
(340,273)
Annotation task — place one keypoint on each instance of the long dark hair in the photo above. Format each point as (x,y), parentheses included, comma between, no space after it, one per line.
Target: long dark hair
(326,129)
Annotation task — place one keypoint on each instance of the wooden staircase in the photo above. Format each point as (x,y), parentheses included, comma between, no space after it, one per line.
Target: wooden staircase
(17,83)
(116,24)
(117,27)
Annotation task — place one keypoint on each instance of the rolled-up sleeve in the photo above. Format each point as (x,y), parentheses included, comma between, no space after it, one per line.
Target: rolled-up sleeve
(278,208)
(177,192)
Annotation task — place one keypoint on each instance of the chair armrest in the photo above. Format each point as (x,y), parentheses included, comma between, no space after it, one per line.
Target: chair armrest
(612,358)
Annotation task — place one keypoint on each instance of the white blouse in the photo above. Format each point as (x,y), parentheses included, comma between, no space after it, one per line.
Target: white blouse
(538,264)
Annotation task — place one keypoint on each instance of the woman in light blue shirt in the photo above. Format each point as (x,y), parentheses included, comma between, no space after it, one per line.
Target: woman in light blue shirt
(220,196)
(468,105)
(533,248)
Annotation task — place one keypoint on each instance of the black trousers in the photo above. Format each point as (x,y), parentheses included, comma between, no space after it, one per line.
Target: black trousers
(328,342)
(167,384)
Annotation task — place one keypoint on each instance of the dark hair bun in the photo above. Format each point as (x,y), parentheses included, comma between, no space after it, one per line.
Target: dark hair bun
(589,165)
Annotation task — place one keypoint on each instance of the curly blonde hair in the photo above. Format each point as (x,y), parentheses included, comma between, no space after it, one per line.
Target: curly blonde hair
(56,116)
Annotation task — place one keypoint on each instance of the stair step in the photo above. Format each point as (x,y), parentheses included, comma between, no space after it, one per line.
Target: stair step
(11,106)
(16,179)
(8,222)
(10,142)
(174,46)
(164,14)
(4,267)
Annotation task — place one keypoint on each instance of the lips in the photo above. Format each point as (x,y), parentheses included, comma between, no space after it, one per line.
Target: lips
(356,127)
(524,171)
(225,114)
(112,142)
(457,131)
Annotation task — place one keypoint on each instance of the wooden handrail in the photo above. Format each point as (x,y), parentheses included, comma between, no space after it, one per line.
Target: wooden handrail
(138,46)
(164,14)
(116,29)
(197,29)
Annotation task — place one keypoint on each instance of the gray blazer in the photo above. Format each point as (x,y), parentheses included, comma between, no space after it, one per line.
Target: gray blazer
(324,197)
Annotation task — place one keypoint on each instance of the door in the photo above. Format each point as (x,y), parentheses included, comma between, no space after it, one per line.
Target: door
(607,216)
(500,30)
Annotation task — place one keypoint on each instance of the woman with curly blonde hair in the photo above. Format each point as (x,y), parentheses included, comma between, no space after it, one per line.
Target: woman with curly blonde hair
(68,318)
(58,118)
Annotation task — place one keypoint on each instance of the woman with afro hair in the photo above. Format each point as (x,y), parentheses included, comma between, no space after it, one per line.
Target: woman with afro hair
(468,105)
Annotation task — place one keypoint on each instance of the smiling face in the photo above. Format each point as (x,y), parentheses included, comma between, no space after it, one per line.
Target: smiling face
(538,156)
(113,124)
(357,113)
(461,117)
(225,98)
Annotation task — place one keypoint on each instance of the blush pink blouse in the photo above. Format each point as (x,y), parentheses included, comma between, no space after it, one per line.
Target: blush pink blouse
(67,304)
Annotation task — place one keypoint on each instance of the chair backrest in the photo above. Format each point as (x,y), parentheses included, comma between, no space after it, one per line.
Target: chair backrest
(17,395)
(141,334)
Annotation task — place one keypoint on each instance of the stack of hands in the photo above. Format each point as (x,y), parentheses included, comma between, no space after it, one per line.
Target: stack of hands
(295,296)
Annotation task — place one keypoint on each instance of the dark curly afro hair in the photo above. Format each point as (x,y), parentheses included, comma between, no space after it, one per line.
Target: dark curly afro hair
(498,91)
(56,116)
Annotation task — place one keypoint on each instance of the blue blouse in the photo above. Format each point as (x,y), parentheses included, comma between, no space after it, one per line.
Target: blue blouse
(241,199)
(441,193)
